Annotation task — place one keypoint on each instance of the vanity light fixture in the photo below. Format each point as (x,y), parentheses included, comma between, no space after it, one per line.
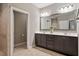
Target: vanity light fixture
(44,14)
(65,9)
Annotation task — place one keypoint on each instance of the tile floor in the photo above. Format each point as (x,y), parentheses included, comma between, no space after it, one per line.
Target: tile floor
(37,51)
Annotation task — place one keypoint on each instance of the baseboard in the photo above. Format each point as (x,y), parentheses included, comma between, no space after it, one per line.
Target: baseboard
(20,44)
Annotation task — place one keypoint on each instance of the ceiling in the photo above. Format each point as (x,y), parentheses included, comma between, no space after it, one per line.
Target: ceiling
(41,5)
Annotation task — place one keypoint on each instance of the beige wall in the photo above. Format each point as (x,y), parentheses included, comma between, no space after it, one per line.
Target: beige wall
(0,30)
(4,28)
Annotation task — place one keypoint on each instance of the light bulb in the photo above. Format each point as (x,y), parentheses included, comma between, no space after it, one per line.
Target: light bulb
(44,14)
(70,6)
(66,9)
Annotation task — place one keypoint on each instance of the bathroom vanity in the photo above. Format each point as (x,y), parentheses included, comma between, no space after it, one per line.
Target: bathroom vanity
(66,44)
(58,32)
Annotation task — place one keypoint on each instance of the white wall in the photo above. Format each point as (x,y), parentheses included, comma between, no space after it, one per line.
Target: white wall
(33,24)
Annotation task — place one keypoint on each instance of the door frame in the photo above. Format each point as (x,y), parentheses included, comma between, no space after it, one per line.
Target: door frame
(11,42)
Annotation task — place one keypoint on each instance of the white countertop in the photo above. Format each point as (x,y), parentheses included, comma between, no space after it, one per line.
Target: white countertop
(60,33)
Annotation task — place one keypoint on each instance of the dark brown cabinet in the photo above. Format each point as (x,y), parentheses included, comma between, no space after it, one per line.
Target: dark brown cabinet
(40,40)
(64,44)
(70,45)
(50,41)
(58,43)
(43,40)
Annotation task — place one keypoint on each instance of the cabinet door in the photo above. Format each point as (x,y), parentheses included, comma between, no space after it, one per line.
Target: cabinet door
(43,40)
(37,39)
(71,45)
(59,43)
(50,41)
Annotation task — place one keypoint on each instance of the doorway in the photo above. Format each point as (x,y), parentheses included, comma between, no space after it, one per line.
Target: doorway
(19,29)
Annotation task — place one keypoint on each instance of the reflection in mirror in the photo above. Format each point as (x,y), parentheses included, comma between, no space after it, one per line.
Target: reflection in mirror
(72,24)
(63,24)
(45,23)
(64,21)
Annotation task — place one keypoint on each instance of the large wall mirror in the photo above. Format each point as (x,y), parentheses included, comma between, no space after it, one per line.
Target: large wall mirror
(64,21)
